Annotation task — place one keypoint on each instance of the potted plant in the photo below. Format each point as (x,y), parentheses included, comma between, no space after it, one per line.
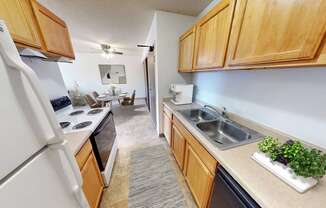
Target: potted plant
(302,167)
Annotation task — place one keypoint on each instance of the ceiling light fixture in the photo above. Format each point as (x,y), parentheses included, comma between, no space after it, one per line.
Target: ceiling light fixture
(108,52)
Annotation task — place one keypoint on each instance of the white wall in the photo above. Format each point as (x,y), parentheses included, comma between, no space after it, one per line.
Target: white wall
(290,100)
(165,31)
(84,70)
(50,76)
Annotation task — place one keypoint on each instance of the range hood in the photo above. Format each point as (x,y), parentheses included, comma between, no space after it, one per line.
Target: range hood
(59,59)
(30,53)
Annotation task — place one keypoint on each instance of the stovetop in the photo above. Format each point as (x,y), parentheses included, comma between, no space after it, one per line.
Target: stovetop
(94,111)
(82,125)
(76,112)
(64,124)
(80,118)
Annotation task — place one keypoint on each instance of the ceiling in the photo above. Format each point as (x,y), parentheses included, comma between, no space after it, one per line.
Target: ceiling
(121,23)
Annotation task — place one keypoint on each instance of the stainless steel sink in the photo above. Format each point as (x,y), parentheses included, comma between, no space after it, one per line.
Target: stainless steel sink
(198,115)
(222,132)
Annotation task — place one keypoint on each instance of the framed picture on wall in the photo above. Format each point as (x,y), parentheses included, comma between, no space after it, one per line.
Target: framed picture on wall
(112,74)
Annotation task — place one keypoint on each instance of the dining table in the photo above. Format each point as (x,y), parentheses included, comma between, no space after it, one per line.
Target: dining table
(106,97)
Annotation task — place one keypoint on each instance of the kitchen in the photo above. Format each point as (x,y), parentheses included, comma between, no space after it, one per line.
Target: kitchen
(220,105)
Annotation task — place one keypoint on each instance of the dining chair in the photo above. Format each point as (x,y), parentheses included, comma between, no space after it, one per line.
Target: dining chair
(91,102)
(95,94)
(129,100)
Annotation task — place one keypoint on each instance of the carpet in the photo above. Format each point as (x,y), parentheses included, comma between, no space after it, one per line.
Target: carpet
(152,180)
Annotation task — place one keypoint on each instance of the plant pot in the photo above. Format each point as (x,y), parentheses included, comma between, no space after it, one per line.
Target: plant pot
(285,173)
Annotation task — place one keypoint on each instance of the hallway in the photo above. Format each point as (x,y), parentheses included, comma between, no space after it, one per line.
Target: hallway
(135,130)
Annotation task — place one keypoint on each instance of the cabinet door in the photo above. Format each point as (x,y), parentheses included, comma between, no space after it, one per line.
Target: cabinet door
(212,36)
(186,50)
(279,31)
(19,18)
(178,146)
(93,183)
(198,177)
(167,128)
(54,31)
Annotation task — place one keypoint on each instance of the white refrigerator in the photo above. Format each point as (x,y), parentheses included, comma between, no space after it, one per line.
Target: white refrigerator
(37,169)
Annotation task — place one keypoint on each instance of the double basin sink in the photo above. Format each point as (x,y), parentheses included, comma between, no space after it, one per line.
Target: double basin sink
(221,131)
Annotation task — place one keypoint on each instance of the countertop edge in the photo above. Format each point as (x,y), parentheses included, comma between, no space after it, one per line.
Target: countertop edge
(76,140)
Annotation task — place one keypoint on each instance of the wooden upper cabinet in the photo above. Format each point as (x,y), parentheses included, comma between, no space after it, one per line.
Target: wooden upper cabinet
(186,50)
(20,20)
(276,31)
(54,31)
(212,35)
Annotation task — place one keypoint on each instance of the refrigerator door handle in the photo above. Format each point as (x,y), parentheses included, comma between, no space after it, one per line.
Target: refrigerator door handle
(12,58)
(77,188)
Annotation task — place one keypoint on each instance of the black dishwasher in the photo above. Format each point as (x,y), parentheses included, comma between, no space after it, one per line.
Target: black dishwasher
(228,193)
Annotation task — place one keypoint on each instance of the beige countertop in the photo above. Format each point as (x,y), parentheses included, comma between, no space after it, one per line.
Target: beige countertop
(268,190)
(77,139)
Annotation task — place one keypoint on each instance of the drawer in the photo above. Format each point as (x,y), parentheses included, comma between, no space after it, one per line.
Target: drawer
(84,153)
(167,112)
(197,147)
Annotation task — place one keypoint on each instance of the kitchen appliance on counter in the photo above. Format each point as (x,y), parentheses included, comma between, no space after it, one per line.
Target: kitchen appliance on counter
(100,122)
(182,93)
(228,193)
(37,167)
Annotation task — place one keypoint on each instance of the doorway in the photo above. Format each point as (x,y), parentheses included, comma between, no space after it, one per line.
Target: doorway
(149,65)
(146,84)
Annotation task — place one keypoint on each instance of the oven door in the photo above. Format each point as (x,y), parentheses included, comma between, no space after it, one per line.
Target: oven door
(103,139)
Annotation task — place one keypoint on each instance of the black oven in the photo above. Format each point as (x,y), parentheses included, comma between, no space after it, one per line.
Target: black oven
(103,139)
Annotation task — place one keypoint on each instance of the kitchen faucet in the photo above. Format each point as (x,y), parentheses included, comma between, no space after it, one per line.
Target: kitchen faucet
(219,112)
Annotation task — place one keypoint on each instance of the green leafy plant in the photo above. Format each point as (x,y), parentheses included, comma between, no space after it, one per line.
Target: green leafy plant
(270,146)
(291,149)
(303,161)
(309,163)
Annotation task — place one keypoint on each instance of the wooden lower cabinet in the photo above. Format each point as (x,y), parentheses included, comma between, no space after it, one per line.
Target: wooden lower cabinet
(92,180)
(167,128)
(93,184)
(197,164)
(198,177)
(178,146)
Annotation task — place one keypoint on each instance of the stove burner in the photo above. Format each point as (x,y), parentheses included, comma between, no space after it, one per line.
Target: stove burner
(64,124)
(82,125)
(94,111)
(76,113)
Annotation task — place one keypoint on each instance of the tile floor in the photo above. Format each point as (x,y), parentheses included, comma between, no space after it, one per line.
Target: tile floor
(134,130)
